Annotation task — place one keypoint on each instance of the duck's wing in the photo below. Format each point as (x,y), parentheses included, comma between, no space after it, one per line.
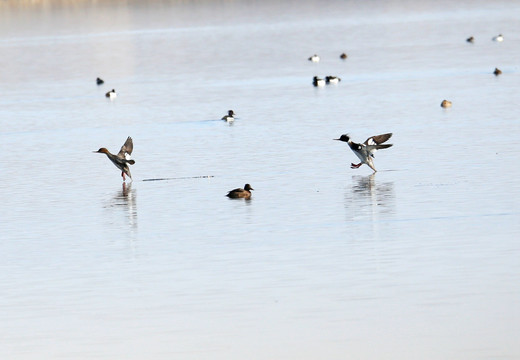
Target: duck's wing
(378,139)
(127,148)
(375,143)
(371,149)
(234,193)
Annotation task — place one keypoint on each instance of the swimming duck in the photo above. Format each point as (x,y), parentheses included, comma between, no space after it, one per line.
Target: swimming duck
(314,58)
(332,79)
(316,81)
(122,159)
(497,71)
(498,38)
(111,94)
(99,81)
(343,56)
(365,151)
(229,117)
(446,103)
(240,193)
(471,39)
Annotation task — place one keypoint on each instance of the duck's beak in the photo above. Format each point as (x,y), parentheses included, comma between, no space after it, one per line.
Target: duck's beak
(336,139)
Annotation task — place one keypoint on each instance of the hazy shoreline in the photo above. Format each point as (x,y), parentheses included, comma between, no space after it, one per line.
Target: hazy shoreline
(35,4)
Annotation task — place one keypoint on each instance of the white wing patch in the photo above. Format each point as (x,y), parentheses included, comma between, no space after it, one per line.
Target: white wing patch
(371,149)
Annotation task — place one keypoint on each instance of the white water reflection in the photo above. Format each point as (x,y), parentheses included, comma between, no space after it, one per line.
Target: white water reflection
(125,202)
(368,199)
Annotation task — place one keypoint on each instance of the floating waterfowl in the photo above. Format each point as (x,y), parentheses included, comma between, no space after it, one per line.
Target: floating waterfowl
(343,56)
(229,117)
(111,94)
(365,151)
(471,39)
(314,58)
(99,81)
(240,193)
(332,79)
(122,159)
(497,71)
(498,38)
(446,103)
(316,81)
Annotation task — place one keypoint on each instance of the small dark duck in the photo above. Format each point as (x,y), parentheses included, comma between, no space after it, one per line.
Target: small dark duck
(244,193)
(99,81)
(497,71)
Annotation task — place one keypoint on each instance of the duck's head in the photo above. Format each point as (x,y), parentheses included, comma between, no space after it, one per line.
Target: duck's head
(102,150)
(231,113)
(344,137)
(248,187)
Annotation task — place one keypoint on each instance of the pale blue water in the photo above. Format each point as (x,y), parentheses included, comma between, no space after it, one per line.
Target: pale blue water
(419,261)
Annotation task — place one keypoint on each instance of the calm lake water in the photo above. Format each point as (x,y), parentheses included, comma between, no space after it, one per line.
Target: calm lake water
(418,261)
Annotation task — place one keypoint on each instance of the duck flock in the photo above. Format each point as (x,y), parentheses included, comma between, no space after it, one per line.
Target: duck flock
(364,151)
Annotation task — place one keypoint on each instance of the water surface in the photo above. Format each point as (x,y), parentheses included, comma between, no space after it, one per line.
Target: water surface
(417,261)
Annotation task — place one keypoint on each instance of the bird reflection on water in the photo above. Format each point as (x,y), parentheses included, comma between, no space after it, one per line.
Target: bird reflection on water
(126,199)
(366,198)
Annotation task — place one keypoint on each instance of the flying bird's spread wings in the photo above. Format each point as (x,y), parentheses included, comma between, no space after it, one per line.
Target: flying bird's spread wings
(378,139)
(127,148)
(373,143)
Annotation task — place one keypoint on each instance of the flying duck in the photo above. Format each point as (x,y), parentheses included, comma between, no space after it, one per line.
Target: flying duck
(122,159)
(365,151)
